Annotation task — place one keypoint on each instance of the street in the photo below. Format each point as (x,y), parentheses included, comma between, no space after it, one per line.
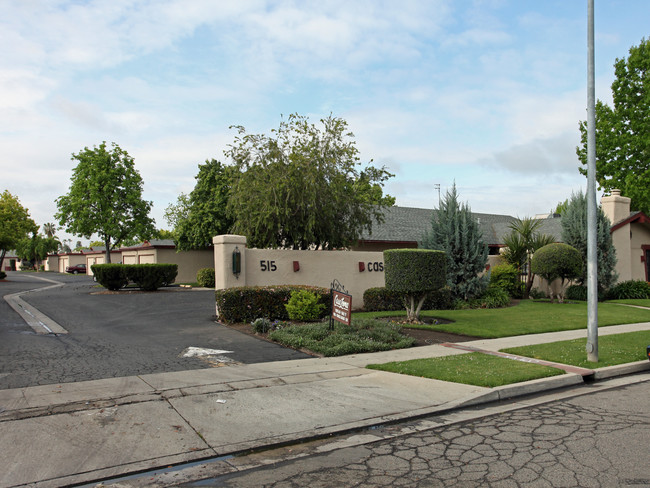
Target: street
(599,439)
(115,334)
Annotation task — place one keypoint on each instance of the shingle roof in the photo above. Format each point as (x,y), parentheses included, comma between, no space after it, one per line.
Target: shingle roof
(407,224)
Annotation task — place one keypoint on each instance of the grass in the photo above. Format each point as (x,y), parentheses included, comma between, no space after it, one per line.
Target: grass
(638,302)
(528,317)
(612,349)
(362,336)
(470,369)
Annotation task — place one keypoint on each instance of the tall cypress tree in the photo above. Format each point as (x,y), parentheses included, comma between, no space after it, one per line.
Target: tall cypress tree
(455,231)
(574,233)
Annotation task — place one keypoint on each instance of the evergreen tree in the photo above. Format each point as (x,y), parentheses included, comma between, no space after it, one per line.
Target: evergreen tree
(455,231)
(574,233)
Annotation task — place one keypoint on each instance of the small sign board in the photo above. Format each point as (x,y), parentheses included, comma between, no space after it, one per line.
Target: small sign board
(341,307)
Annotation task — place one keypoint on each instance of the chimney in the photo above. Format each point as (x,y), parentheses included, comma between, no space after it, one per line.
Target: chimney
(615,207)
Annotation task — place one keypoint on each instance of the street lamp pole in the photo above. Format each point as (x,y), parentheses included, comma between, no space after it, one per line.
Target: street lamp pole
(592,258)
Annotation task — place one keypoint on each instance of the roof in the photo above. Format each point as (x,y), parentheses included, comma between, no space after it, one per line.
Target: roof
(634,218)
(407,224)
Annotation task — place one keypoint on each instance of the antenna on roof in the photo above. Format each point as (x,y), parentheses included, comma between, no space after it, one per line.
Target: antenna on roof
(437,187)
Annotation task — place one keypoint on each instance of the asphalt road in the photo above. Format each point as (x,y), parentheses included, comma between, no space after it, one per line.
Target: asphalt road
(114,335)
(597,440)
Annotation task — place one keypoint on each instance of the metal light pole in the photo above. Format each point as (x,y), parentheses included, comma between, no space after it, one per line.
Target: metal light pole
(592,258)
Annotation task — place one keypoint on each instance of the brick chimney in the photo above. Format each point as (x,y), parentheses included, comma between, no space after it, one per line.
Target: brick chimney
(615,207)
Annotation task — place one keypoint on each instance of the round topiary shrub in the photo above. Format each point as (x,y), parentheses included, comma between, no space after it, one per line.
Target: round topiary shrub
(205,277)
(555,261)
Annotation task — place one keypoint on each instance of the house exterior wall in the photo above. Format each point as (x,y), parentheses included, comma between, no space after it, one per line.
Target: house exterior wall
(639,242)
(189,262)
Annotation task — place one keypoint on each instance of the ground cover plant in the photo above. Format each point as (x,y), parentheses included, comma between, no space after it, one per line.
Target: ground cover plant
(612,349)
(364,335)
(528,317)
(471,369)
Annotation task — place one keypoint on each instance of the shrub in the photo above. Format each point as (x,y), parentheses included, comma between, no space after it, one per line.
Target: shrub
(205,277)
(150,277)
(576,293)
(506,277)
(246,303)
(536,294)
(380,299)
(557,260)
(493,297)
(3,275)
(414,273)
(261,325)
(631,289)
(303,305)
(110,276)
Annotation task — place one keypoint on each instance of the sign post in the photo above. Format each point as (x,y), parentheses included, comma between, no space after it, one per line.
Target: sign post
(341,305)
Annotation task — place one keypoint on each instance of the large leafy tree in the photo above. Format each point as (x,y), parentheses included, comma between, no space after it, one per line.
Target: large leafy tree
(201,215)
(574,233)
(302,187)
(15,223)
(456,232)
(521,243)
(623,131)
(105,198)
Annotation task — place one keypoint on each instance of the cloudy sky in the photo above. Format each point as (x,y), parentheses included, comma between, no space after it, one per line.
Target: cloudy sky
(486,93)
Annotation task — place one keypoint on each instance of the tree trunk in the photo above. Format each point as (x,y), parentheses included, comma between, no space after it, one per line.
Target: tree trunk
(107,243)
(2,258)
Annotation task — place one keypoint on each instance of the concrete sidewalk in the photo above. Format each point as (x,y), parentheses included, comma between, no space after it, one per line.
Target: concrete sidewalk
(73,433)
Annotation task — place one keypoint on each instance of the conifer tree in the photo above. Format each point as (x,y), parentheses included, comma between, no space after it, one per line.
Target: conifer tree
(455,231)
(574,233)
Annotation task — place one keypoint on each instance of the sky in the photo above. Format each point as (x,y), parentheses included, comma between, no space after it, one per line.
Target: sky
(486,94)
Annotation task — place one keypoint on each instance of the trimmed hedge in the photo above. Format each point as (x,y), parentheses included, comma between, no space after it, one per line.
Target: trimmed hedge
(415,270)
(112,275)
(506,277)
(247,303)
(380,299)
(557,260)
(148,277)
(205,277)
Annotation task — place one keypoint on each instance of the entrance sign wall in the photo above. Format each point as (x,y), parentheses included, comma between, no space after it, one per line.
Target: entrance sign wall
(264,267)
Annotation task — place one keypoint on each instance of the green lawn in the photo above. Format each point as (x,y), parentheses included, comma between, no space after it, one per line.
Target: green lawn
(471,369)
(638,302)
(529,317)
(612,349)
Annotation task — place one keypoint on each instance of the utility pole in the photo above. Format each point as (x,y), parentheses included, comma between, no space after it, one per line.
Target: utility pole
(592,258)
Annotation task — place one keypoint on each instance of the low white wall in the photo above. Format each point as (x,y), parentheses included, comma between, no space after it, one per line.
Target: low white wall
(356,271)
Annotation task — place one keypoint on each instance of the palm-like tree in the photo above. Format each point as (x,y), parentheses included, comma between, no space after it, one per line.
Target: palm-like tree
(49,229)
(522,242)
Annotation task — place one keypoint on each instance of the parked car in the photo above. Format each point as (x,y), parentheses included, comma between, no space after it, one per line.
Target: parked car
(76,269)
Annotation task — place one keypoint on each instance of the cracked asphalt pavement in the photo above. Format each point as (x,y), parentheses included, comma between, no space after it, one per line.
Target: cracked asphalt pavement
(594,440)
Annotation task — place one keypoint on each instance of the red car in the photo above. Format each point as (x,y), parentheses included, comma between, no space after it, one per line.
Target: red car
(76,269)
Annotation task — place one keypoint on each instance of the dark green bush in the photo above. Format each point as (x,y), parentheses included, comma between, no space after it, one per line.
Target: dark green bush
(507,277)
(3,275)
(632,289)
(150,277)
(576,293)
(246,303)
(205,277)
(110,276)
(557,260)
(493,297)
(304,305)
(380,299)
(414,270)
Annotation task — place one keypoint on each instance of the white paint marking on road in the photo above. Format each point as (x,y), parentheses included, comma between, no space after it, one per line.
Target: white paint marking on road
(192,352)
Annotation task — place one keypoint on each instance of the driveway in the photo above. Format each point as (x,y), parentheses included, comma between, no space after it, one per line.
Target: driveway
(117,334)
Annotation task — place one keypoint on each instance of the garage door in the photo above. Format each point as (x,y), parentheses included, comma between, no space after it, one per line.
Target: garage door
(147,259)
(63,263)
(130,259)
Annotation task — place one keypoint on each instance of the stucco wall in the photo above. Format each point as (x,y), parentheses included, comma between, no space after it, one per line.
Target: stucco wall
(263,267)
(640,237)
